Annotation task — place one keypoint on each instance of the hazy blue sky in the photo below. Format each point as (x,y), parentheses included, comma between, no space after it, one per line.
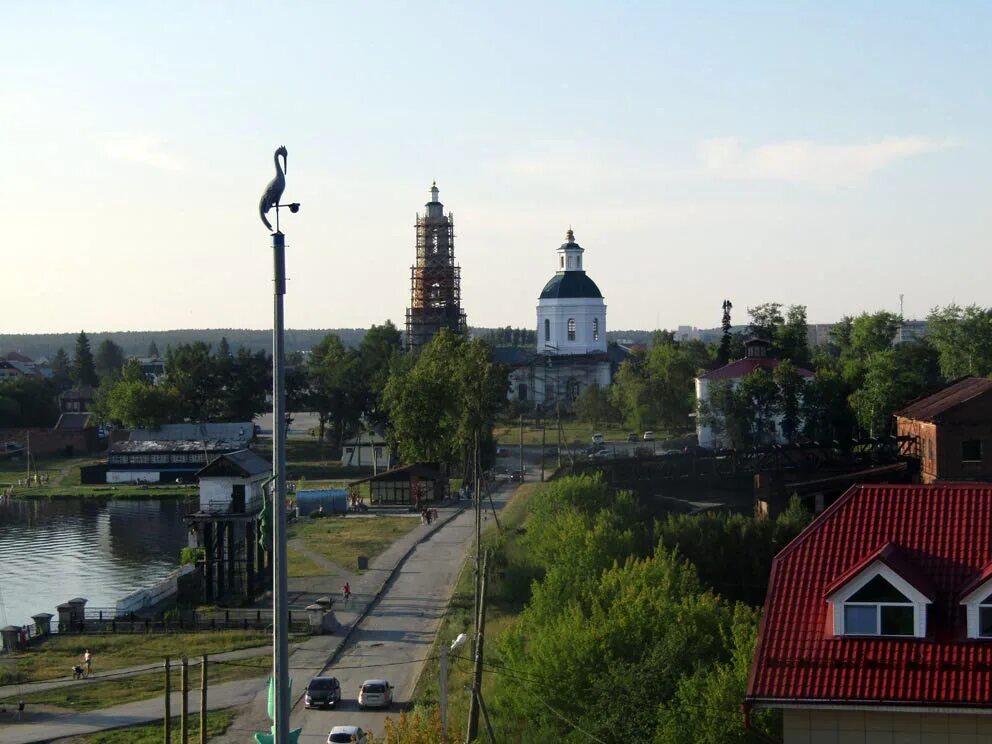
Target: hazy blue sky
(834,154)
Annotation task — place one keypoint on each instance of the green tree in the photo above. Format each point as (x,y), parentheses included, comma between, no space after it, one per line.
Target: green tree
(766,320)
(61,370)
(246,378)
(191,372)
(152,351)
(83,369)
(963,339)
(792,337)
(726,338)
(892,378)
(791,388)
(593,406)
(377,357)
(26,400)
(108,360)
(761,403)
(331,372)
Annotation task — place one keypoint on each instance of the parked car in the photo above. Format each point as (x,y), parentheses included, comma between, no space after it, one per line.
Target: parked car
(375,693)
(502,452)
(601,454)
(597,438)
(322,692)
(649,436)
(346,735)
(632,436)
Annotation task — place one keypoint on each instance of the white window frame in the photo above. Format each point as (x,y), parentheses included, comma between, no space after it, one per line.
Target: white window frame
(570,329)
(838,600)
(974,601)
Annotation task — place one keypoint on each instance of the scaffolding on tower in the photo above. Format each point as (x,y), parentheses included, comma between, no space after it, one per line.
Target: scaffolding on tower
(435,279)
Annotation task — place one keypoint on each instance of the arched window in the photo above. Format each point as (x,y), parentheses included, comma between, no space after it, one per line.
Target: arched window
(571,329)
(595,329)
(547,329)
(563,262)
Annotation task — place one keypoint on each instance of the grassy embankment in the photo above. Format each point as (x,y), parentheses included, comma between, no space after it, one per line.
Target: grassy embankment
(151,733)
(64,482)
(576,433)
(507,591)
(96,694)
(55,657)
(342,539)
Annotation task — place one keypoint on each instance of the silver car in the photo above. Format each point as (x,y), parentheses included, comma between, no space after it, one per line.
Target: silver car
(375,693)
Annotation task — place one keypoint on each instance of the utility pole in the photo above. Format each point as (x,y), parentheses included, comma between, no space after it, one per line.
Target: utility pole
(478,530)
(558,420)
(184,704)
(203,699)
(544,432)
(443,687)
(473,710)
(521,447)
(167,725)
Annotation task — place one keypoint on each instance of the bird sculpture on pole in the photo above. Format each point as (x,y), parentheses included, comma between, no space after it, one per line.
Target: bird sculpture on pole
(273,192)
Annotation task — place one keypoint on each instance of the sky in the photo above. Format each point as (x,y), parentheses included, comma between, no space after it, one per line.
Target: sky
(834,155)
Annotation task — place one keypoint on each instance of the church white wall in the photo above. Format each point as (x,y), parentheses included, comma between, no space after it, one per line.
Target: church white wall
(583,311)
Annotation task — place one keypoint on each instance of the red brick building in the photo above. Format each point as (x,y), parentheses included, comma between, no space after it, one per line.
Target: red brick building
(877,625)
(954,431)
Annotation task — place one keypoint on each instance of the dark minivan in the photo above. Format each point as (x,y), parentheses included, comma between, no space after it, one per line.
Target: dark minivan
(322,692)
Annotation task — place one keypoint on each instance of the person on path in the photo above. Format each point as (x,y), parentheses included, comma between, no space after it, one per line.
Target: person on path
(346,591)
(88,660)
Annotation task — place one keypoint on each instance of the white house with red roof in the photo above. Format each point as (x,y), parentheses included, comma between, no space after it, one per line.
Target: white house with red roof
(756,357)
(877,626)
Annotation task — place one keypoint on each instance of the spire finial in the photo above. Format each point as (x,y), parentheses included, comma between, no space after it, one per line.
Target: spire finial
(570,236)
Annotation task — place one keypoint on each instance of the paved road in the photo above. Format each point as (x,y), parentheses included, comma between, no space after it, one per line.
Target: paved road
(396,636)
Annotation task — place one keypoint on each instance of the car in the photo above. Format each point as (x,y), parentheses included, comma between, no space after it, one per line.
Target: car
(375,693)
(346,735)
(600,454)
(648,436)
(597,438)
(322,692)
(502,452)
(632,436)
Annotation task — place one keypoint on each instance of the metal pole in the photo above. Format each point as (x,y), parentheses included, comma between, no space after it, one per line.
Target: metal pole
(203,699)
(167,724)
(480,629)
(521,448)
(544,433)
(280,614)
(184,703)
(443,692)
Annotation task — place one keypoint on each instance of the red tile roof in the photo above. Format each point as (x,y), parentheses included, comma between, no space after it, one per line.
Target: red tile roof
(892,556)
(930,407)
(744,367)
(945,531)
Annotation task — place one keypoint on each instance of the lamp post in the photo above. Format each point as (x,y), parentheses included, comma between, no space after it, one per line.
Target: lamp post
(280,603)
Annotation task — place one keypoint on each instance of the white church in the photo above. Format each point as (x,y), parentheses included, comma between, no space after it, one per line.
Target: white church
(572,352)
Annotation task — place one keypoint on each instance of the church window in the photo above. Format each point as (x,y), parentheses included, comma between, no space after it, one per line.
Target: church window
(563,262)
(571,329)
(595,329)
(547,329)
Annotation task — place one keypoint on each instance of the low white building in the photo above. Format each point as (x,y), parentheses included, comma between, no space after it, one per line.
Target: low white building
(369,449)
(755,357)
(232,483)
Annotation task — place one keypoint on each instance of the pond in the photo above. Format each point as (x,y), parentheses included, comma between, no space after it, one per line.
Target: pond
(52,550)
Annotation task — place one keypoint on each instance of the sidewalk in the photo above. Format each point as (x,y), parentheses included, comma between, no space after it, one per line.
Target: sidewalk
(306,659)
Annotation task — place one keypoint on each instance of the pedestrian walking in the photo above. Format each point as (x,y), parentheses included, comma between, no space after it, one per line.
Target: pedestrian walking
(88,661)
(346,591)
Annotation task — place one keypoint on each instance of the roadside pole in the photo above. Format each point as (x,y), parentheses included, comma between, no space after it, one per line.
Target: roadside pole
(167,725)
(521,448)
(442,697)
(184,704)
(544,432)
(203,700)
(473,710)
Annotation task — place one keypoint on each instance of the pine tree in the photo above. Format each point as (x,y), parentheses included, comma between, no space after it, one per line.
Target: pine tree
(83,369)
(725,339)
(153,350)
(62,370)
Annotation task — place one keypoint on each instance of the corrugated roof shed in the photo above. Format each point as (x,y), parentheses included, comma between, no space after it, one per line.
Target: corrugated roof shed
(945,531)
(932,407)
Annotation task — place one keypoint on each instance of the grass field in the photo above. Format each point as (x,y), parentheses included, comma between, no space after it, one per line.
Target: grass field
(343,539)
(55,657)
(576,433)
(505,595)
(96,694)
(64,482)
(217,723)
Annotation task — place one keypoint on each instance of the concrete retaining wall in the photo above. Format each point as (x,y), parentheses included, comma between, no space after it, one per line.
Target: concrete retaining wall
(154,594)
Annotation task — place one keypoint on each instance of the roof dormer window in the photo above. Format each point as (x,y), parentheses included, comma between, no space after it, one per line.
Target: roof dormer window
(985,618)
(884,595)
(878,608)
(977,600)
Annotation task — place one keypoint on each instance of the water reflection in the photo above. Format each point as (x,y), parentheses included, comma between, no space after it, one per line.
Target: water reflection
(100,549)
